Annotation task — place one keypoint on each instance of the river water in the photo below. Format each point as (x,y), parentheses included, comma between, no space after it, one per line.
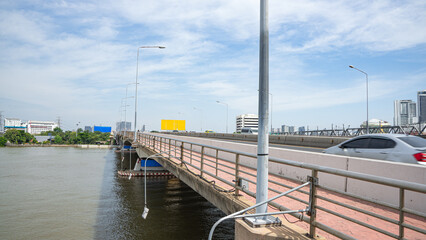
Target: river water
(73,193)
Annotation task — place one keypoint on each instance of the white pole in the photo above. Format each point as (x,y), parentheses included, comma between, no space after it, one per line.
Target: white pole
(136,87)
(263,141)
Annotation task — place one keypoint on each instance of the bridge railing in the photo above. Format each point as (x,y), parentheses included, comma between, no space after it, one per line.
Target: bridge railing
(351,132)
(233,171)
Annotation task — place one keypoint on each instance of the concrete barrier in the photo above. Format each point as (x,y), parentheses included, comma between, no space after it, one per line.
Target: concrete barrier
(306,141)
(402,171)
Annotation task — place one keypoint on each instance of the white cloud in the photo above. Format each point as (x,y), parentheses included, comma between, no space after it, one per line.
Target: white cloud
(83,53)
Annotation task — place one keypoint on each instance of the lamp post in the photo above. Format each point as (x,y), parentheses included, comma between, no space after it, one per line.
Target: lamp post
(366,83)
(226,114)
(201,111)
(271,111)
(76,130)
(125,105)
(136,83)
(263,140)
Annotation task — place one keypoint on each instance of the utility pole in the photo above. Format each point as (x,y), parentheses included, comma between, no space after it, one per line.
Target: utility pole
(1,122)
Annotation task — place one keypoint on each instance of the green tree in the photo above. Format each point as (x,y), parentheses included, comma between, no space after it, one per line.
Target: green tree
(19,137)
(3,141)
(58,139)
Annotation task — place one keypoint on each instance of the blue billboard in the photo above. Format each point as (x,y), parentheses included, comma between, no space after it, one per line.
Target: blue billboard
(102,129)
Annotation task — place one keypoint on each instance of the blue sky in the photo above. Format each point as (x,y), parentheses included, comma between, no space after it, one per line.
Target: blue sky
(74,60)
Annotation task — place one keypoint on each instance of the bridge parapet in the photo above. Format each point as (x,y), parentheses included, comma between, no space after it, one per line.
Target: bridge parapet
(306,141)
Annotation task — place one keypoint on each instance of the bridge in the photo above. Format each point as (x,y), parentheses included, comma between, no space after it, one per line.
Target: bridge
(346,198)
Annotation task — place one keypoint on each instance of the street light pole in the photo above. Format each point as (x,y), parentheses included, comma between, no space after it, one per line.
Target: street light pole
(366,83)
(271,111)
(136,83)
(263,141)
(226,114)
(201,111)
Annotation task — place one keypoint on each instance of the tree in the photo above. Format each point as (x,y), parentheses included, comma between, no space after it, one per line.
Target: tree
(3,141)
(58,139)
(19,136)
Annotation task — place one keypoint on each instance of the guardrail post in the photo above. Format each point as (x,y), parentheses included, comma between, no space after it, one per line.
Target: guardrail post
(190,155)
(170,148)
(153,140)
(237,171)
(312,202)
(181,154)
(217,155)
(401,213)
(175,147)
(161,144)
(202,161)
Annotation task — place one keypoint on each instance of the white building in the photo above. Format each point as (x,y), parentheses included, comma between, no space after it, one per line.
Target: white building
(247,121)
(287,129)
(421,102)
(37,127)
(405,113)
(13,123)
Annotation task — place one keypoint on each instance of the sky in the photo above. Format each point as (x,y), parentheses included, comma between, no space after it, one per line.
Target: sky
(75,61)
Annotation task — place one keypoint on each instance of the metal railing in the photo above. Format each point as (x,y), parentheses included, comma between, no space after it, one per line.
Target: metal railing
(221,165)
(350,132)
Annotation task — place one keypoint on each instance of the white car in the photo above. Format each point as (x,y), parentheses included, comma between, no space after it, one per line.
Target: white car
(389,147)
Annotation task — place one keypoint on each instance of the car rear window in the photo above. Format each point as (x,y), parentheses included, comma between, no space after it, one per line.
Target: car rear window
(379,143)
(414,141)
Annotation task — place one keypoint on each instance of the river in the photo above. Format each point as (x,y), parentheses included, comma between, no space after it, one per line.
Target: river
(73,193)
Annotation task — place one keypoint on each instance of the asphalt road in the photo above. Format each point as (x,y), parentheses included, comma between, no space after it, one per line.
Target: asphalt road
(309,149)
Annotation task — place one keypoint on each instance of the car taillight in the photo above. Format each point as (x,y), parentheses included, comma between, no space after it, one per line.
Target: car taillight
(421,157)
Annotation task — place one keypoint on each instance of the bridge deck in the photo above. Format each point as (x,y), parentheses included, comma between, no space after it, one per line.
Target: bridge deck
(325,209)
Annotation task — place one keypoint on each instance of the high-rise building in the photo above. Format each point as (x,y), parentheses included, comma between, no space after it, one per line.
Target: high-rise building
(88,129)
(123,126)
(421,103)
(247,121)
(405,112)
(287,129)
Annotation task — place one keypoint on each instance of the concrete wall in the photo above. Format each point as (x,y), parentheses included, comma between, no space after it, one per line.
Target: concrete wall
(402,171)
(306,141)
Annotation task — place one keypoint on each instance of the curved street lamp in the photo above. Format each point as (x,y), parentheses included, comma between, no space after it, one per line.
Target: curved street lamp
(366,83)
(136,83)
(226,114)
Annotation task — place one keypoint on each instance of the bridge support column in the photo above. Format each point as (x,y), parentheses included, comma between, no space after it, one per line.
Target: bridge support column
(287,231)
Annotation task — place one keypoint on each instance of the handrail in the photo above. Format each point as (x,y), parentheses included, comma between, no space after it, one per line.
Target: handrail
(236,214)
(344,173)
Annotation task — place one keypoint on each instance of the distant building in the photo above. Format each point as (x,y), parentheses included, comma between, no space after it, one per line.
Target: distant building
(375,123)
(102,129)
(123,126)
(421,103)
(37,127)
(276,130)
(14,123)
(404,112)
(287,129)
(301,129)
(88,129)
(247,121)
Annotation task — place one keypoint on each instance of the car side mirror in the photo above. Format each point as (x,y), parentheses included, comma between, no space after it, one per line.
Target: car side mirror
(341,146)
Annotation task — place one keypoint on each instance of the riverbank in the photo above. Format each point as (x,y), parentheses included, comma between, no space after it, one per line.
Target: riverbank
(63,145)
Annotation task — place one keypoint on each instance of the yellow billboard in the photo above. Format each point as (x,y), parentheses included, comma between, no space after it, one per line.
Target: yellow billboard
(173,125)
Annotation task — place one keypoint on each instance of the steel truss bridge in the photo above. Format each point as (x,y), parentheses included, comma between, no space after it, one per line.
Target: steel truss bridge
(350,132)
